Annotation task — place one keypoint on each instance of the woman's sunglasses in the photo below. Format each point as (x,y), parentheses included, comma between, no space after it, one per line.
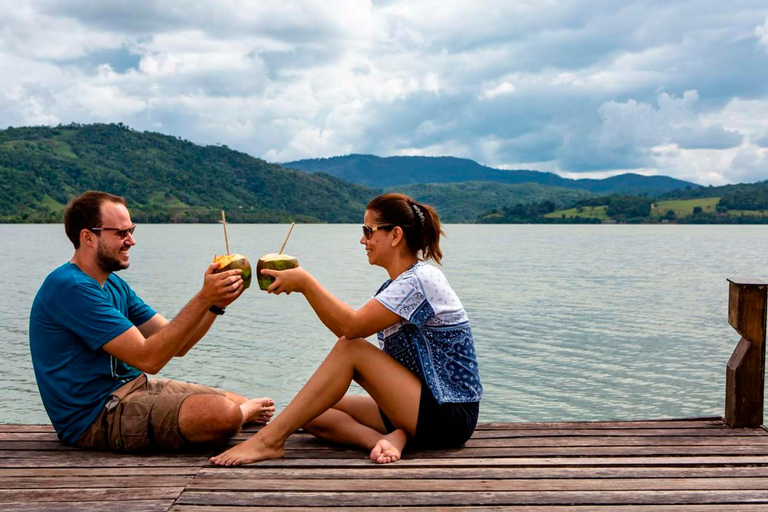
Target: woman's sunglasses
(122,233)
(368,232)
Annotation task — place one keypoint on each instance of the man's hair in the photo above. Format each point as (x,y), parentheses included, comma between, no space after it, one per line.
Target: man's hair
(84,212)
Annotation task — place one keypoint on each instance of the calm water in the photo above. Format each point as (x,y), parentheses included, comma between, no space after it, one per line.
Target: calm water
(570,322)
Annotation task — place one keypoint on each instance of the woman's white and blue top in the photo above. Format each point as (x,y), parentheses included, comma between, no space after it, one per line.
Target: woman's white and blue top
(434,339)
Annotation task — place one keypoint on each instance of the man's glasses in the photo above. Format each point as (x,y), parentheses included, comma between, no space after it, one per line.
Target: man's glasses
(368,232)
(122,233)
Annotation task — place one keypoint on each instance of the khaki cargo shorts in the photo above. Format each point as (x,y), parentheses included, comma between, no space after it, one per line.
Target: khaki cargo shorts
(142,415)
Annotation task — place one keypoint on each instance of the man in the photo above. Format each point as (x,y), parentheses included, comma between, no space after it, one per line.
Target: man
(93,339)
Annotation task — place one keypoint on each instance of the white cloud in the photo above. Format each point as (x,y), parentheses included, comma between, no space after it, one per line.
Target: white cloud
(502,89)
(561,86)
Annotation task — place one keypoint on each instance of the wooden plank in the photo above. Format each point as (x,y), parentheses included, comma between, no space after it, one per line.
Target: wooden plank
(93,460)
(104,471)
(526,461)
(396,471)
(92,506)
(723,431)
(395,499)
(573,425)
(494,485)
(314,444)
(10,427)
(86,495)
(84,482)
(544,451)
(743,507)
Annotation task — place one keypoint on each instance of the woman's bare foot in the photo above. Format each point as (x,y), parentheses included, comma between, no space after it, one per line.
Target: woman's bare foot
(258,410)
(390,447)
(252,450)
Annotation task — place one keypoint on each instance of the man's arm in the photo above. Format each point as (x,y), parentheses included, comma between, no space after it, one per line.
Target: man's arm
(166,339)
(157,322)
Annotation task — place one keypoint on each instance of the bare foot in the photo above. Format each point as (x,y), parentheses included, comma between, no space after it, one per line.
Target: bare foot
(390,447)
(258,410)
(252,450)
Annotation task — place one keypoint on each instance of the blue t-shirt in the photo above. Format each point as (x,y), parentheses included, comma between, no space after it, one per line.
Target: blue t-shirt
(72,318)
(434,339)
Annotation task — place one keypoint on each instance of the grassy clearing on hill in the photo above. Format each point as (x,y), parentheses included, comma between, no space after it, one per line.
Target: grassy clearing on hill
(684,207)
(585,212)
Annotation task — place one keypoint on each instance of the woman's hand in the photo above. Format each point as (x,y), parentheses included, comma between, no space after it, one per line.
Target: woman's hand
(287,281)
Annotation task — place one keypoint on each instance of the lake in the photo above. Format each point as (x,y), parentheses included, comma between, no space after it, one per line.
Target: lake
(571,322)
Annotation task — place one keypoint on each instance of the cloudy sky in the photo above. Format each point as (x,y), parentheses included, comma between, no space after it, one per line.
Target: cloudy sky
(584,88)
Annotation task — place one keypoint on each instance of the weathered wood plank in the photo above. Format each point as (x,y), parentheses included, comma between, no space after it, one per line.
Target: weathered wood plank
(714,431)
(86,495)
(395,499)
(61,472)
(492,485)
(84,482)
(395,471)
(92,506)
(528,461)
(305,443)
(11,427)
(535,451)
(95,460)
(742,507)
(573,425)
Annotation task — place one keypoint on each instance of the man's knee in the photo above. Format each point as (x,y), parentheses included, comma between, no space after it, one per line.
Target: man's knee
(205,418)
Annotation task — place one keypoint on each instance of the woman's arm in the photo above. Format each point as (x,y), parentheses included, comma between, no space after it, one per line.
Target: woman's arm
(339,317)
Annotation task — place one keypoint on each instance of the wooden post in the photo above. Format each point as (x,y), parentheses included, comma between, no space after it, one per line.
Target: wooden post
(745,374)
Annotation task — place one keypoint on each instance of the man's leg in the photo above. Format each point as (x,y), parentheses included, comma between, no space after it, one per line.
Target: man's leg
(203,414)
(254,410)
(209,418)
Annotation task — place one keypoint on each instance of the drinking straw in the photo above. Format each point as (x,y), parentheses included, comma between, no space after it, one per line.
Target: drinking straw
(224,221)
(286,238)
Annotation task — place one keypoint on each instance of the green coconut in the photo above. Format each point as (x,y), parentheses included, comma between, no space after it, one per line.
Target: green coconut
(235,261)
(273,262)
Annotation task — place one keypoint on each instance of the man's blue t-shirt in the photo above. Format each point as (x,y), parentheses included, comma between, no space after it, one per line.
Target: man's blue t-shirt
(72,318)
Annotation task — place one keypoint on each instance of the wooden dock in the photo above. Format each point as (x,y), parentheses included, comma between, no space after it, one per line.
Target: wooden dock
(705,464)
(673,465)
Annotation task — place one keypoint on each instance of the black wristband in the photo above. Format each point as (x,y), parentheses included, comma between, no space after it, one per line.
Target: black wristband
(216,310)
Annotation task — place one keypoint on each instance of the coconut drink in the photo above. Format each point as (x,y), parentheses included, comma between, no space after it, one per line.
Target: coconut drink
(233,262)
(275,261)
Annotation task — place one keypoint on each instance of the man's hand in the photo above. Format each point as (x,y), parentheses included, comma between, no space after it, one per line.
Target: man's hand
(287,281)
(222,288)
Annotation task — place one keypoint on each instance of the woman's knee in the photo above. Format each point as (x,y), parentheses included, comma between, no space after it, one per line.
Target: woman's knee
(347,345)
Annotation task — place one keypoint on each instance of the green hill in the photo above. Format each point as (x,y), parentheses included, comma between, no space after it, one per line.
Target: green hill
(374,171)
(465,202)
(165,179)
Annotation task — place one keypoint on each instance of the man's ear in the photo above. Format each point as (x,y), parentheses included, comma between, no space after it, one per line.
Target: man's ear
(87,237)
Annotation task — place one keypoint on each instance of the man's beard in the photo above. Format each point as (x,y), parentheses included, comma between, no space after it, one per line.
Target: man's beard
(107,262)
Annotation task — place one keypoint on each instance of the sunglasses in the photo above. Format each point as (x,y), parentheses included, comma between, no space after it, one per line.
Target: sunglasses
(122,233)
(368,232)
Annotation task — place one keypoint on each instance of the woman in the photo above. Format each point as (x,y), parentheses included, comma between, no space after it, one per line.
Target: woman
(423,384)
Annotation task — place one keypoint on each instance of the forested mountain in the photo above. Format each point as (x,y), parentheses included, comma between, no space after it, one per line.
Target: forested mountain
(466,202)
(374,171)
(165,179)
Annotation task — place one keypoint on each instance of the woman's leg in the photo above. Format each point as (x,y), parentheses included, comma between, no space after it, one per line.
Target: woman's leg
(394,388)
(354,420)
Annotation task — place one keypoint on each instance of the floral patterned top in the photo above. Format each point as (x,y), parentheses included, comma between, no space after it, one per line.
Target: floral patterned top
(434,339)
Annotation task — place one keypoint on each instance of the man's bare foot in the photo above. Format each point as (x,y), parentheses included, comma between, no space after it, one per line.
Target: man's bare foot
(258,410)
(252,450)
(390,447)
